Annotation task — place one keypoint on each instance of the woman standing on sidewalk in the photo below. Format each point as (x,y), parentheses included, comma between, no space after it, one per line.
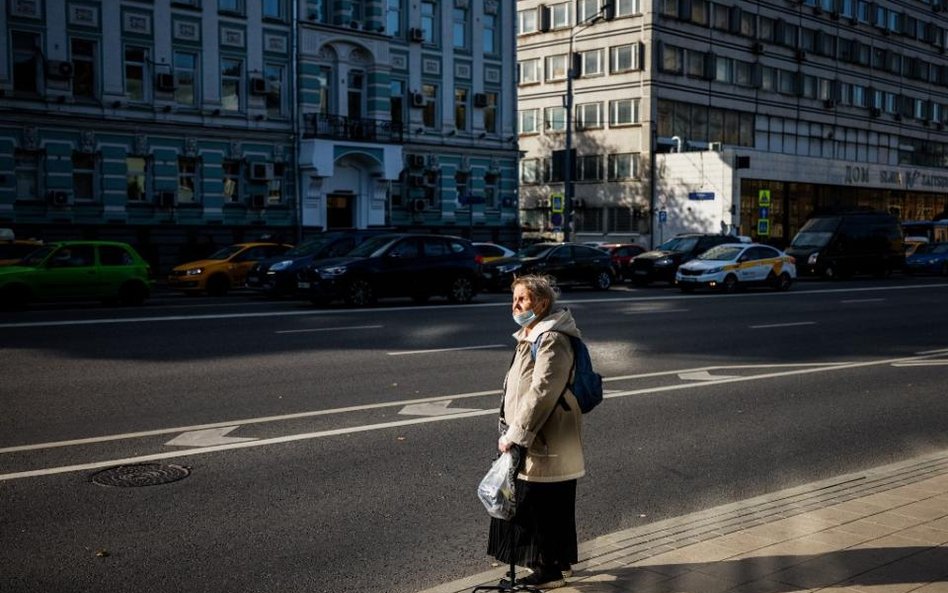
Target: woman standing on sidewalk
(540,415)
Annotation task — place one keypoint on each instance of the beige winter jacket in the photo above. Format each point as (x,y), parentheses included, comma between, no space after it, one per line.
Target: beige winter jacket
(535,420)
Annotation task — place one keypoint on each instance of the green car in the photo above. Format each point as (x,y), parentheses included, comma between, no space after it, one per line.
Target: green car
(104,270)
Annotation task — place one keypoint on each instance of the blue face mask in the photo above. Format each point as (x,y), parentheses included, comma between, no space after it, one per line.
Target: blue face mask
(524,319)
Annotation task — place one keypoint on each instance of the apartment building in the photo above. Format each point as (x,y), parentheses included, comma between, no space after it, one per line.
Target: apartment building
(184,125)
(730,116)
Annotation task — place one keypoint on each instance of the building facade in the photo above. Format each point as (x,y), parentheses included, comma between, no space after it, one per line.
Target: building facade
(192,124)
(742,117)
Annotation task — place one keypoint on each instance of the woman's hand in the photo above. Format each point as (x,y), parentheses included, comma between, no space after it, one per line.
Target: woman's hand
(503,445)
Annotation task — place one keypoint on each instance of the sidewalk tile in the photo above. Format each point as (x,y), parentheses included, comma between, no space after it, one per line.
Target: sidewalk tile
(924,533)
(797,548)
(696,582)
(926,510)
(786,529)
(866,529)
(742,542)
(940,524)
(768,586)
(841,538)
(941,587)
(894,520)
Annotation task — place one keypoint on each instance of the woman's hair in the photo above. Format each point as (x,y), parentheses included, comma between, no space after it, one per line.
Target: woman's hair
(541,288)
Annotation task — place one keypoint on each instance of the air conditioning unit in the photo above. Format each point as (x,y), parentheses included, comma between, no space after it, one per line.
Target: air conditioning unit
(800,55)
(939,125)
(59,69)
(829,103)
(418,100)
(164,81)
(57,197)
(416,180)
(165,199)
(261,171)
(258,201)
(757,48)
(543,203)
(419,205)
(415,34)
(715,146)
(258,86)
(480,99)
(875,112)
(416,161)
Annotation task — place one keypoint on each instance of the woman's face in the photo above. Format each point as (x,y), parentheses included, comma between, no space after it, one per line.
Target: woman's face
(523,302)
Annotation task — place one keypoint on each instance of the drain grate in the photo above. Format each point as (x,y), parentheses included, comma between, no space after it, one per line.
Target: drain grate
(144,474)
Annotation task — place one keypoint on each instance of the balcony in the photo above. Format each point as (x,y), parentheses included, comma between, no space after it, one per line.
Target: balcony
(337,127)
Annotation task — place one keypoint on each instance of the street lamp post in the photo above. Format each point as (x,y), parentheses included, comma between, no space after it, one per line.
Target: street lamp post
(568,104)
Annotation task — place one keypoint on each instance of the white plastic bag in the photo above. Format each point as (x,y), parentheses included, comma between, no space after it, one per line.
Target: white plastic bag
(496,490)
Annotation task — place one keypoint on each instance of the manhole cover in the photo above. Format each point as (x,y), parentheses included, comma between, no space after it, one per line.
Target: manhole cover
(145,474)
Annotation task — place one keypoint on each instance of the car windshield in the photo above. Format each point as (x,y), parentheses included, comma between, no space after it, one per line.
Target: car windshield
(722,253)
(817,232)
(932,248)
(371,246)
(537,250)
(678,244)
(309,247)
(225,253)
(36,257)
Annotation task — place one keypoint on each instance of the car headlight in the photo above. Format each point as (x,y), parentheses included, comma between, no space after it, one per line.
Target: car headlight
(665,261)
(717,270)
(332,272)
(194,272)
(933,261)
(813,257)
(281,265)
(508,268)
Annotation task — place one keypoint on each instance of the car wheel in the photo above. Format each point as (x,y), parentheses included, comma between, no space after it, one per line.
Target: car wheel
(218,285)
(783,282)
(830,272)
(359,293)
(461,290)
(602,281)
(133,293)
(730,283)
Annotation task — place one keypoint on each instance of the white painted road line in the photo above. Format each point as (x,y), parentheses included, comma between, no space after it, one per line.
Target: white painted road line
(852,301)
(406,352)
(413,421)
(328,329)
(772,325)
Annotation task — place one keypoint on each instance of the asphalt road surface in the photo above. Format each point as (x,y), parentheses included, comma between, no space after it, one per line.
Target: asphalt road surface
(338,450)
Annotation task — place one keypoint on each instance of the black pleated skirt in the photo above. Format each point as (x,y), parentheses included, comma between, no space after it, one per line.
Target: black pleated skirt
(544,527)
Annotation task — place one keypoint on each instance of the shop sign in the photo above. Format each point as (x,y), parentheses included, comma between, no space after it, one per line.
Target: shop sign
(908,179)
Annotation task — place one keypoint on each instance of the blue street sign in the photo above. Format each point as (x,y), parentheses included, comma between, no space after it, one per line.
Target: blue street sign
(662,216)
(556,219)
(764,212)
(701,195)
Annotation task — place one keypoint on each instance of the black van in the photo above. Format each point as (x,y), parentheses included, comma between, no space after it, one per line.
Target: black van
(840,245)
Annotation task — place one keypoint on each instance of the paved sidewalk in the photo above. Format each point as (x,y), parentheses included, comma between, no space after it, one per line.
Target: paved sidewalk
(884,530)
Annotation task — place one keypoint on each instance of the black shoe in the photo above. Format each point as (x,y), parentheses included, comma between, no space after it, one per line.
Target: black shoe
(545,578)
(566,569)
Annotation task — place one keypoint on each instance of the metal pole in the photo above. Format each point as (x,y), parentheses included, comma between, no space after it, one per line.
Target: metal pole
(567,164)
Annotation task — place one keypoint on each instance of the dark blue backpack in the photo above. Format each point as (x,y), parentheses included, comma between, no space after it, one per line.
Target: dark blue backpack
(587,383)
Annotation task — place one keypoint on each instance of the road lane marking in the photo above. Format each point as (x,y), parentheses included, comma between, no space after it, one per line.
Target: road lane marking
(439,408)
(652,310)
(207,438)
(772,325)
(921,363)
(328,329)
(702,376)
(424,420)
(852,301)
(406,352)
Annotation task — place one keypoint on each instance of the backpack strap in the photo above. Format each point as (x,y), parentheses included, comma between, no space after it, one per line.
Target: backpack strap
(533,352)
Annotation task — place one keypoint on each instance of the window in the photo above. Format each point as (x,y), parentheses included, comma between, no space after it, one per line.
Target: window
(586,9)
(593,62)
(83,175)
(393,17)
(554,119)
(697,63)
(430,112)
(460,109)
(860,97)
(672,59)
(459,28)
(187,179)
(26,61)
(356,11)
(355,94)
(185,75)
(668,8)
(559,15)
(529,71)
(275,185)
(323,94)
(232,191)
(589,115)
(623,166)
(275,76)
(529,171)
(748,24)
(113,255)
(397,101)
(428,21)
(490,113)
(721,17)
(699,12)
(627,7)
(527,121)
(589,168)
(136,68)
(744,73)
(527,21)
(83,52)
(272,9)
(489,33)
(724,70)
(27,164)
(231,75)
(623,112)
(626,58)
(235,6)
(136,178)
(556,67)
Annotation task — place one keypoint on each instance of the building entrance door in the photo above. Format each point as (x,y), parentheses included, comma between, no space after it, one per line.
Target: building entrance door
(339,211)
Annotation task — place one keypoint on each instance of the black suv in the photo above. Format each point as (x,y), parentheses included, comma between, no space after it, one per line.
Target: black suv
(276,276)
(395,265)
(570,264)
(662,262)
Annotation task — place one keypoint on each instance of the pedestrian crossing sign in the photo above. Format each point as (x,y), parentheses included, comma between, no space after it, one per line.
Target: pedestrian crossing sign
(763,197)
(556,203)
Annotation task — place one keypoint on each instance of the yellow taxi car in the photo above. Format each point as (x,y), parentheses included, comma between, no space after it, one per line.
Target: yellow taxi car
(222,270)
(12,250)
(730,266)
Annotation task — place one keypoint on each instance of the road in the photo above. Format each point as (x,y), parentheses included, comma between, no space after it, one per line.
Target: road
(338,450)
